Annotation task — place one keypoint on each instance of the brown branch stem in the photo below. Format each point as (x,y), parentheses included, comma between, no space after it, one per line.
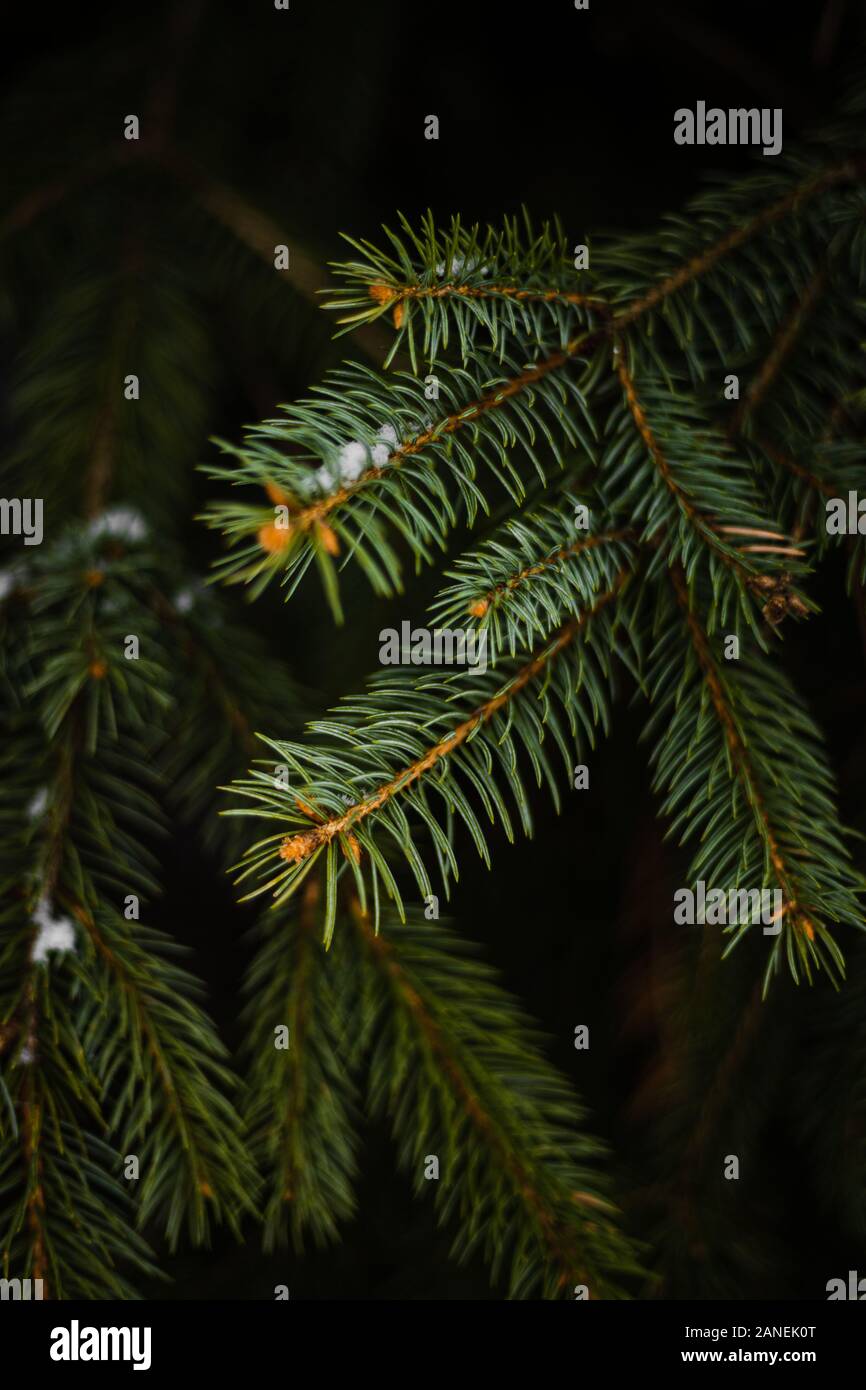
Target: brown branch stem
(480,606)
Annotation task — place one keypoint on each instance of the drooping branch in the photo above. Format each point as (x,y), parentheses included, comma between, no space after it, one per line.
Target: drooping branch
(702,524)
(139,1011)
(740,760)
(782,347)
(26,1016)
(523,1180)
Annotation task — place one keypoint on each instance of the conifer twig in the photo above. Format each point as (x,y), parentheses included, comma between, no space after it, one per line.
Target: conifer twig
(852,170)
(296,848)
(739,754)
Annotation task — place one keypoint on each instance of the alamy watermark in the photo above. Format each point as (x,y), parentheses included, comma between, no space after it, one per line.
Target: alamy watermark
(854,1289)
(846,516)
(440,646)
(22,516)
(77,1343)
(737,906)
(21,1289)
(737,126)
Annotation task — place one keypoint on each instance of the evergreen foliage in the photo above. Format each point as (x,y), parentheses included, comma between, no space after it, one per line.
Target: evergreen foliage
(515,391)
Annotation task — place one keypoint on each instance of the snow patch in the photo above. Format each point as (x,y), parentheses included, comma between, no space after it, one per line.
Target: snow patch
(121,523)
(54,934)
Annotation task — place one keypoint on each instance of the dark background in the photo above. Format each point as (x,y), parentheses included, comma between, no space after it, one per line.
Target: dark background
(317,116)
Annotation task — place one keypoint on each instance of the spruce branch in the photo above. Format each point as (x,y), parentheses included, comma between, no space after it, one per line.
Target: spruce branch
(513,284)
(172,1111)
(554,322)
(64,1217)
(517,1177)
(424,454)
(368,744)
(302,1105)
(532,572)
(784,342)
(406,1023)
(156,1075)
(516,282)
(792,201)
(780,826)
(68,404)
(713,493)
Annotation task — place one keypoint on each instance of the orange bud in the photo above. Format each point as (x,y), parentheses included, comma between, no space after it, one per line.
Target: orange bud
(277,496)
(355,848)
(98,670)
(398,314)
(383,294)
(480,608)
(297,847)
(274,538)
(328,538)
(93,578)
